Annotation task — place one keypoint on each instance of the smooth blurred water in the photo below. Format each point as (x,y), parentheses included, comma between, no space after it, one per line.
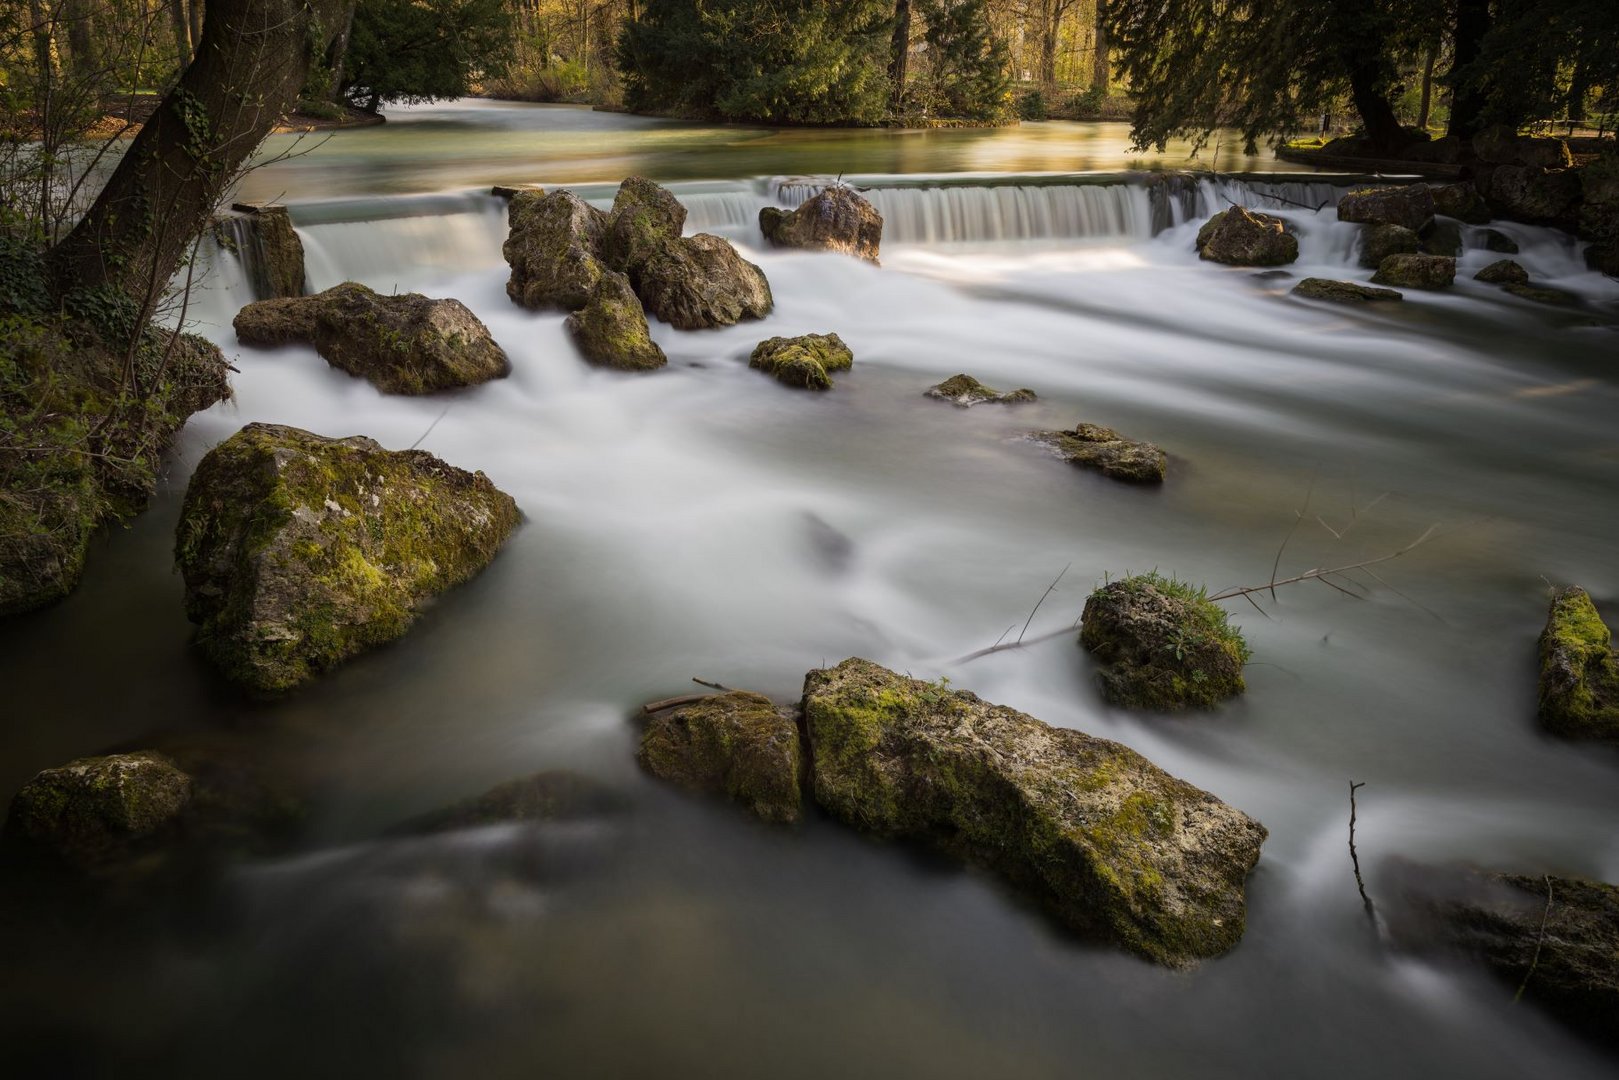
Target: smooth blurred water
(705,521)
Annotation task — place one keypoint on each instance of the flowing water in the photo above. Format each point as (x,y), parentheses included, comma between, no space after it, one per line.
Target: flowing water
(705,521)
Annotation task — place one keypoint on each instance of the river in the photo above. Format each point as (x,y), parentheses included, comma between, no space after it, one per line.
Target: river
(704,521)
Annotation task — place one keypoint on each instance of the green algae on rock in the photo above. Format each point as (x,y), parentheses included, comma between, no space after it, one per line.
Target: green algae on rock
(1579,670)
(1092,446)
(1409,206)
(836,219)
(644,220)
(806,361)
(402,344)
(1162,645)
(736,744)
(1378,242)
(98,809)
(552,247)
(700,282)
(1416,271)
(611,328)
(1343,292)
(964,391)
(300,551)
(1241,237)
(1113,846)
(277,254)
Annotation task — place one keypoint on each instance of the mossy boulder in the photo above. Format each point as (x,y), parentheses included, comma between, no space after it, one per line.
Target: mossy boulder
(1460,201)
(699,282)
(552,248)
(269,247)
(1162,645)
(300,551)
(735,744)
(1441,238)
(611,328)
(1240,237)
(1116,848)
(552,795)
(1496,240)
(1092,446)
(99,809)
(1503,272)
(836,219)
(1536,195)
(1378,242)
(402,344)
(645,219)
(1579,670)
(807,361)
(1343,292)
(1416,271)
(1409,206)
(964,391)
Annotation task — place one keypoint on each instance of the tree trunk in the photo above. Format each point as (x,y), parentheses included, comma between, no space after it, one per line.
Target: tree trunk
(1427,86)
(198,12)
(1467,99)
(182,32)
(1050,30)
(1578,87)
(1101,70)
(251,62)
(1376,114)
(899,54)
(340,48)
(81,38)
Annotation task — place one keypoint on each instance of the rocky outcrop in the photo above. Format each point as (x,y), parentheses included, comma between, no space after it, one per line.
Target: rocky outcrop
(645,219)
(1091,446)
(964,391)
(1241,237)
(1501,145)
(552,795)
(1116,848)
(699,282)
(1162,645)
(551,246)
(1378,242)
(1579,670)
(837,219)
(403,344)
(1343,292)
(1460,201)
(1503,272)
(269,247)
(736,744)
(300,551)
(807,361)
(1539,196)
(611,328)
(1409,206)
(1416,271)
(1441,238)
(97,810)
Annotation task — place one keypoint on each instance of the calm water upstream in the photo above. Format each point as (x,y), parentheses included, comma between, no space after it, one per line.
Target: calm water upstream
(705,521)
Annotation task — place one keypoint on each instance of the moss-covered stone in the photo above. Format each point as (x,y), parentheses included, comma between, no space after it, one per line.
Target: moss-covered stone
(735,744)
(964,391)
(552,795)
(645,219)
(1343,292)
(1162,645)
(700,282)
(1416,271)
(300,551)
(1579,670)
(1406,205)
(1092,446)
(1503,272)
(1378,242)
(611,329)
(1537,195)
(1442,238)
(1240,237)
(552,246)
(835,219)
(807,361)
(270,248)
(1116,848)
(98,809)
(1461,201)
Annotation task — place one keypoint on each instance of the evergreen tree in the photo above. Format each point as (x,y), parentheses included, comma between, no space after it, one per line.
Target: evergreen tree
(420,50)
(966,64)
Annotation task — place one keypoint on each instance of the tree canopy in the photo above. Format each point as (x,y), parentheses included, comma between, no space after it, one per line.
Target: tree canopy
(422,50)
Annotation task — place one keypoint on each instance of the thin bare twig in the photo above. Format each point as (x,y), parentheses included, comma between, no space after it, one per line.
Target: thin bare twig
(713,685)
(673,703)
(1049,590)
(1354,856)
(1318,572)
(1540,938)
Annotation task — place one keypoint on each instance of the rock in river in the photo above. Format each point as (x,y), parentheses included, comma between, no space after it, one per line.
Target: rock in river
(96,809)
(551,246)
(1162,645)
(966,391)
(806,361)
(300,551)
(1241,237)
(837,219)
(1503,272)
(1409,206)
(735,744)
(611,329)
(1116,848)
(699,282)
(1579,670)
(1105,450)
(1416,271)
(1343,292)
(1378,242)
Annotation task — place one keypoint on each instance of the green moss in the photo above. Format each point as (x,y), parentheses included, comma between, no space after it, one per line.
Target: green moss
(1579,670)
(806,362)
(611,329)
(735,744)
(1162,644)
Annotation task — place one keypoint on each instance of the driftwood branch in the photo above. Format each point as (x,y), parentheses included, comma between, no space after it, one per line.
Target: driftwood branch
(682,699)
(1354,856)
(1322,573)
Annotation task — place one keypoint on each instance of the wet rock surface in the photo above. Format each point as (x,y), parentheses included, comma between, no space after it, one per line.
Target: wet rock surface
(806,362)
(1242,237)
(1579,670)
(836,219)
(1343,292)
(736,744)
(1409,206)
(964,391)
(1416,271)
(97,810)
(1161,645)
(611,328)
(1092,446)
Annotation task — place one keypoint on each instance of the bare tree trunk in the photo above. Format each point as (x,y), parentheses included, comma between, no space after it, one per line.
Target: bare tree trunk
(340,48)
(1101,69)
(1466,101)
(1427,86)
(1050,28)
(182,32)
(198,12)
(899,55)
(81,38)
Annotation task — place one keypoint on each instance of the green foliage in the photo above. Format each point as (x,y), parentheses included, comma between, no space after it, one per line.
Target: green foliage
(1088,102)
(966,65)
(1031,105)
(1539,51)
(791,61)
(422,50)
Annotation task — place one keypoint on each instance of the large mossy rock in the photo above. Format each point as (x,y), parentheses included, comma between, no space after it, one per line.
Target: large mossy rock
(1409,206)
(551,246)
(645,219)
(611,330)
(1161,645)
(98,809)
(736,744)
(1441,238)
(1540,196)
(300,551)
(1116,848)
(1579,670)
(807,361)
(1240,237)
(1416,271)
(402,344)
(1092,446)
(1343,292)
(1461,201)
(837,219)
(268,246)
(1378,242)
(1502,145)
(1503,272)
(700,282)
(964,391)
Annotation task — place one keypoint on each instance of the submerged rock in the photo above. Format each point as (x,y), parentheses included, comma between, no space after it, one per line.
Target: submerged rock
(611,329)
(806,361)
(735,744)
(1105,450)
(837,219)
(403,344)
(552,795)
(1409,206)
(1579,670)
(1343,292)
(551,247)
(699,282)
(1541,295)
(1378,242)
(965,391)
(1162,645)
(1113,846)
(300,551)
(1503,272)
(1496,240)
(1460,201)
(1241,237)
(1416,271)
(98,809)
